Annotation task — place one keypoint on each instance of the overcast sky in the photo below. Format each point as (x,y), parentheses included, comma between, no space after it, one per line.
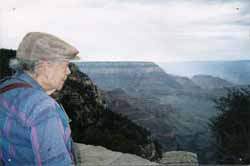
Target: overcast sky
(135,30)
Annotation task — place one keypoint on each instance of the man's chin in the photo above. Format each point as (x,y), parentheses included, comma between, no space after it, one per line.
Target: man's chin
(59,87)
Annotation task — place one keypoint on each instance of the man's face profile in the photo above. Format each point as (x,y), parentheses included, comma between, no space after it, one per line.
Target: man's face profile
(55,74)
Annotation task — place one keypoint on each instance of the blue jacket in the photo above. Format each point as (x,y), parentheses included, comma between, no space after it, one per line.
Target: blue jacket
(34,128)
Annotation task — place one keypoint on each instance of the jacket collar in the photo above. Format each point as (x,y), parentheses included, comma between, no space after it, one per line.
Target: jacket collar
(20,75)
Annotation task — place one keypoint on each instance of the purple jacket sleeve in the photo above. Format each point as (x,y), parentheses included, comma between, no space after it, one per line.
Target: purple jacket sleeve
(48,144)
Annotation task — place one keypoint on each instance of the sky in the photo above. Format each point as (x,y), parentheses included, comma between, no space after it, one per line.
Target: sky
(135,30)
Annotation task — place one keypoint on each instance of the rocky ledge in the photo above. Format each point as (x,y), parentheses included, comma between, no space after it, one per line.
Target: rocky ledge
(90,155)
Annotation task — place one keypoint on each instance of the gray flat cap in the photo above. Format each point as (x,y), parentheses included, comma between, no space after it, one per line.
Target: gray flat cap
(43,46)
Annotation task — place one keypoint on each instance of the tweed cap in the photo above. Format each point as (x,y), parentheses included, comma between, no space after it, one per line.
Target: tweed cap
(43,46)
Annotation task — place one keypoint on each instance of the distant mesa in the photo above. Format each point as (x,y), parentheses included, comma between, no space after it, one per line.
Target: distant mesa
(236,72)
(186,83)
(211,82)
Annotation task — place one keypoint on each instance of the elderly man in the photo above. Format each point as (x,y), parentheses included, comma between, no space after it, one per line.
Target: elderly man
(34,128)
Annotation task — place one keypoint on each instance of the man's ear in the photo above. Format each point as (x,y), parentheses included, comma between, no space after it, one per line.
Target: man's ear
(39,67)
(42,68)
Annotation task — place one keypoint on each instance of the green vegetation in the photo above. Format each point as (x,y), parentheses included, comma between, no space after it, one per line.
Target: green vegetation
(231,127)
(5,56)
(119,134)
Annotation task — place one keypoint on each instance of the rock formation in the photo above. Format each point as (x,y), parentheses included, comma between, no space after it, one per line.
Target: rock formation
(90,155)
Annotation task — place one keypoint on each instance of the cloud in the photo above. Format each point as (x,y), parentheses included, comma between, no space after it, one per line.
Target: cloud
(140,30)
